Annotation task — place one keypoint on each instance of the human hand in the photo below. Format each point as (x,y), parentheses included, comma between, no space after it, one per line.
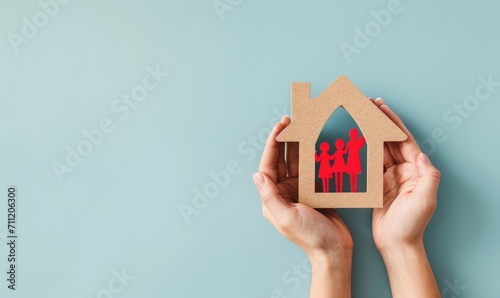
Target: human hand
(320,233)
(315,231)
(410,192)
(410,195)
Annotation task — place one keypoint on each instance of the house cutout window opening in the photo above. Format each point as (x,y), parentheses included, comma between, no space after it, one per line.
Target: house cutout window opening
(340,155)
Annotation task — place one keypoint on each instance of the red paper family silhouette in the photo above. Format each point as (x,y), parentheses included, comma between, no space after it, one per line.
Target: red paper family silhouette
(339,167)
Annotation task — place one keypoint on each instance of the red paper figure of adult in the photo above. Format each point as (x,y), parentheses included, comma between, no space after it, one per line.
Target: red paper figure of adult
(325,172)
(339,167)
(353,160)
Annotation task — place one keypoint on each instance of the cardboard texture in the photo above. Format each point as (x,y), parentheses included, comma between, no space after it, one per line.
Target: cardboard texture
(309,115)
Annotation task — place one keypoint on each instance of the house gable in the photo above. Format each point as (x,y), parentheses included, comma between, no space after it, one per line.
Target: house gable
(309,115)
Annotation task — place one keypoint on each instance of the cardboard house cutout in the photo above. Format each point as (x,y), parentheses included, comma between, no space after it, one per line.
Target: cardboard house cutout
(309,115)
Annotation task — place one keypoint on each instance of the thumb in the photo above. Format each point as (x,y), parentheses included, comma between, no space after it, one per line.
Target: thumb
(269,194)
(429,177)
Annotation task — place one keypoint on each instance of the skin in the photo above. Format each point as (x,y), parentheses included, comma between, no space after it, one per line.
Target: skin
(410,196)
(410,193)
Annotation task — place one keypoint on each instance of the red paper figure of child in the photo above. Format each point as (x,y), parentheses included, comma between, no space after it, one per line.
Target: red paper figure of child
(325,171)
(339,166)
(353,160)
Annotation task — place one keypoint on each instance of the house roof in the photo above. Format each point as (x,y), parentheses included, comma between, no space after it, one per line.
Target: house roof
(309,115)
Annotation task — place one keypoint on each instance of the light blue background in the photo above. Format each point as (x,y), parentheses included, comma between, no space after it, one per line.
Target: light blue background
(228,78)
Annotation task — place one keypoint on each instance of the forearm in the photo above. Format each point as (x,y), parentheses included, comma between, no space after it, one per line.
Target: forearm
(331,275)
(410,273)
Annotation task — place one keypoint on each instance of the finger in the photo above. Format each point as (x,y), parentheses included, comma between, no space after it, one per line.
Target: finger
(395,152)
(271,199)
(409,149)
(428,182)
(281,167)
(372,99)
(292,159)
(390,188)
(269,160)
(388,158)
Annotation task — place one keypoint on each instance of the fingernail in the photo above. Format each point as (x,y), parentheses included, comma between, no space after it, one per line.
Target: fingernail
(424,158)
(378,98)
(284,119)
(258,179)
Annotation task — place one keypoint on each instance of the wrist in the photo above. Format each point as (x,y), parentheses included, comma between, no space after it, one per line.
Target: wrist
(410,273)
(331,273)
(338,259)
(401,251)
(415,242)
